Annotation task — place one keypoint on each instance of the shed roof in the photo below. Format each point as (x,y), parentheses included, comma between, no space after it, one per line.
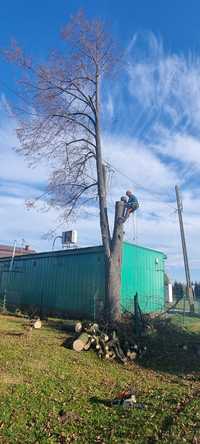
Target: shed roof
(7,250)
(82,250)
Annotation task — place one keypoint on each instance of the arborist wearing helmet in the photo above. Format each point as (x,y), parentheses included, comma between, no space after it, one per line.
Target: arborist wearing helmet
(130,206)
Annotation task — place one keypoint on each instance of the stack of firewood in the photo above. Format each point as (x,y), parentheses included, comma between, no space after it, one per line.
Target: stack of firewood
(107,346)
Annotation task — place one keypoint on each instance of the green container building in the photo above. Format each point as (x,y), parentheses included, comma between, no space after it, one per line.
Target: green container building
(72,282)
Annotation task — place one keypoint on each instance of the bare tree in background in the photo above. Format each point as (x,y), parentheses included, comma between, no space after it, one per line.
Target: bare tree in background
(60,121)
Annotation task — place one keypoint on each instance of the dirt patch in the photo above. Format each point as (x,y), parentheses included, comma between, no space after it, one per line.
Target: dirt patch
(69,417)
(5,378)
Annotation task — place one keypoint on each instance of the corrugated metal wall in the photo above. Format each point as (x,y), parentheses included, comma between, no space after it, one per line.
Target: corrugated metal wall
(70,281)
(142,272)
(73,281)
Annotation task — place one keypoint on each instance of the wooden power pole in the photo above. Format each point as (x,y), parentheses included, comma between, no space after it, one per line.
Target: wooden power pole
(185,256)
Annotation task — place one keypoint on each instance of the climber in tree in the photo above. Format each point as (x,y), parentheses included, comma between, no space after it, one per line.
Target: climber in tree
(129,206)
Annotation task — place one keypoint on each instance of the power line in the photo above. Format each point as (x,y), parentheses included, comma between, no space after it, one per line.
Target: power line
(136,184)
(125,175)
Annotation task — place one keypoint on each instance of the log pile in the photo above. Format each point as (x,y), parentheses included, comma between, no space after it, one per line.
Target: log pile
(107,346)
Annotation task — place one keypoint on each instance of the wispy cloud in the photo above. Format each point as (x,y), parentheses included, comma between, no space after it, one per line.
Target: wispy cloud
(165,85)
(161,121)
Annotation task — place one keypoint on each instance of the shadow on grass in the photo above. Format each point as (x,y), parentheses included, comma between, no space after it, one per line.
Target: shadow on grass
(18,334)
(172,348)
(107,402)
(68,342)
(64,325)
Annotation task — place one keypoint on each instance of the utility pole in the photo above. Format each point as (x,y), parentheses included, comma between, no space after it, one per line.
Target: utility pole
(185,256)
(13,256)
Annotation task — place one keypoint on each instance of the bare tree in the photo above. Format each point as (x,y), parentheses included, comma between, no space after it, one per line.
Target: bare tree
(60,121)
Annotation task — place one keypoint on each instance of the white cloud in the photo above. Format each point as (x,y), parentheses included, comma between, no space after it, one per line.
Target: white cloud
(13,166)
(109,106)
(139,164)
(154,227)
(159,148)
(182,147)
(32,225)
(165,85)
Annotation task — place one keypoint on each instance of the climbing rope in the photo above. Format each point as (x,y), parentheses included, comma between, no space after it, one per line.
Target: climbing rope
(134,219)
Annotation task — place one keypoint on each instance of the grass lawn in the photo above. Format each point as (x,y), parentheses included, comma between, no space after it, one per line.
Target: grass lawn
(46,390)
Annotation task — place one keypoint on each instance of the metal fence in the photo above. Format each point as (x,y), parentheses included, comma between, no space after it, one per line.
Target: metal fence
(183,305)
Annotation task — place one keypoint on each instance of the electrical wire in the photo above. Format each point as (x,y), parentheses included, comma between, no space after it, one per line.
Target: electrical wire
(109,164)
(125,175)
(135,184)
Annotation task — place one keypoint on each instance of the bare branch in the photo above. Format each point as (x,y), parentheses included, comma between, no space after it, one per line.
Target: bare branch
(84,115)
(81,140)
(58,122)
(76,122)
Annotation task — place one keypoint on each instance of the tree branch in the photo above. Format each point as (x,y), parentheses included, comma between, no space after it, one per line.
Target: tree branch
(76,122)
(81,140)
(85,115)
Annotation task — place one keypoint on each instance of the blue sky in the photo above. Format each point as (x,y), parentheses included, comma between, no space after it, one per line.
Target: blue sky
(152,119)
(36,24)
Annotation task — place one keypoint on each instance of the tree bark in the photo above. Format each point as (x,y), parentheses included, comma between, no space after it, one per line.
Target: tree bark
(112,247)
(101,183)
(113,268)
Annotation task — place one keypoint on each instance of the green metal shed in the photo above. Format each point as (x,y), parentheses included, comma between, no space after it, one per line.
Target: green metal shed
(73,281)
(142,272)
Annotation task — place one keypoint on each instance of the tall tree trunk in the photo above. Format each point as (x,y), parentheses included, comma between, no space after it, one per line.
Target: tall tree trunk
(105,233)
(113,266)
(112,247)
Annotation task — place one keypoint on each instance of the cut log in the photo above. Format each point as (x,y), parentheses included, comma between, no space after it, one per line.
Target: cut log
(72,326)
(88,345)
(131,355)
(100,354)
(104,337)
(98,347)
(78,327)
(80,343)
(93,329)
(119,353)
(37,323)
(103,346)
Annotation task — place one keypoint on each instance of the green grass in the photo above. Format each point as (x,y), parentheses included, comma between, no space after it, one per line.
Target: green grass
(46,390)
